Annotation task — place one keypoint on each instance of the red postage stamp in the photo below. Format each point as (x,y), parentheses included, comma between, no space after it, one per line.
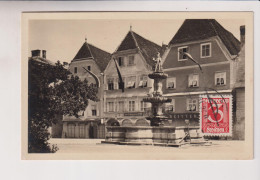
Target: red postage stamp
(216,115)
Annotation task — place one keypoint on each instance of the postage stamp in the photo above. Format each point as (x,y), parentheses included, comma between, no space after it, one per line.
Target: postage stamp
(216,115)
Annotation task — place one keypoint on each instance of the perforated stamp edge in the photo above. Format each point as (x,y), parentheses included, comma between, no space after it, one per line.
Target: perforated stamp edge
(230,114)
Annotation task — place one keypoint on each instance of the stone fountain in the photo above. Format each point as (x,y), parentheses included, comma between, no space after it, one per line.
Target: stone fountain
(156,98)
(160,131)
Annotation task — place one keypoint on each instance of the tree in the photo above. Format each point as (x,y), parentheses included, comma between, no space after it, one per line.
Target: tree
(52,91)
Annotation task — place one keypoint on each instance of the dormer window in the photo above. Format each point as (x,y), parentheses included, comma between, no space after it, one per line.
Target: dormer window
(110,84)
(181,51)
(120,61)
(75,70)
(131,60)
(193,80)
(205,50)
(89,68)
(94,110)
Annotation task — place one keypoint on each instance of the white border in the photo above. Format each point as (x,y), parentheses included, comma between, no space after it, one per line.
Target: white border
(14,168)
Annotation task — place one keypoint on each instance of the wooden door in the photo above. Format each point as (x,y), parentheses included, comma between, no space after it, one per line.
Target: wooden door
(71,130)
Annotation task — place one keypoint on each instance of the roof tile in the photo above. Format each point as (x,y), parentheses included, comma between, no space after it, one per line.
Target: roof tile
(197,29)
(147,48)
(100,56)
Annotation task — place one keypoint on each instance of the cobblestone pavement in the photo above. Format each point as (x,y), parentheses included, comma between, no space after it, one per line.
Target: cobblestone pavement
(93,149)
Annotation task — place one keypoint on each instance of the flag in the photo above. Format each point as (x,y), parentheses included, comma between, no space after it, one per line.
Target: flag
(121,82)
(191,58)
(94,76)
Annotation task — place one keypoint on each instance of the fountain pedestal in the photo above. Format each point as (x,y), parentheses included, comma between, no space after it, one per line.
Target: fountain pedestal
(156,98)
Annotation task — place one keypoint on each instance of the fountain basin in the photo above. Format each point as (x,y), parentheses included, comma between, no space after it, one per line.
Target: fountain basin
(158,75)
(158,99)
(149,135)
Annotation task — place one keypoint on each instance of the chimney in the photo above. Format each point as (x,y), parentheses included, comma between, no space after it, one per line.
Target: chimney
(164,47)
(242,35)
(36,53)
(44,54)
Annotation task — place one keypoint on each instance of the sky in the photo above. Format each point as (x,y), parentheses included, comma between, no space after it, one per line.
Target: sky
(63,38)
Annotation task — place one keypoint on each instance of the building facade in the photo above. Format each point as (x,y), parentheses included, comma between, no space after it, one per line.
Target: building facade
(134,57)
(214,48)
(239,91)
(90,123)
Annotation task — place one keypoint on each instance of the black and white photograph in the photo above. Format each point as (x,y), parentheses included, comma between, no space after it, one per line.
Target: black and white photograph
(137,85)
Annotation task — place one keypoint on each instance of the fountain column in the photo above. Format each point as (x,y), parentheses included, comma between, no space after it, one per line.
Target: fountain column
(156,98)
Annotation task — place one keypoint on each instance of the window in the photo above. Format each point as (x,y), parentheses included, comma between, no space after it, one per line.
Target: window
(116,83)
(143,81)
(110,106)
(131,82)
(170,107)
(110,84)
(94,110)
(143,106)
(131,60)
(192,105)
(181,50)
(121,105)
(131,105)
(75,70)
(89,68)
(193,80)
(120,61)
(205,50)
(220,78)
(171,83)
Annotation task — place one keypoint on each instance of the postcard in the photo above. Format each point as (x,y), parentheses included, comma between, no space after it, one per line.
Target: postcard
(137,85)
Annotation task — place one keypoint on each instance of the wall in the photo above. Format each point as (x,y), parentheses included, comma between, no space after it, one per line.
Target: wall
(134,94)
(217,55)
(82,74)
(239,121)
(206,79)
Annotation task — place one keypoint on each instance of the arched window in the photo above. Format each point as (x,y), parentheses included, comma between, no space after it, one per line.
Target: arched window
(127,122)
(142,122)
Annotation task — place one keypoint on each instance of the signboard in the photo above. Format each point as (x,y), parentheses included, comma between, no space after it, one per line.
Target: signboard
(178,116)
(134,114)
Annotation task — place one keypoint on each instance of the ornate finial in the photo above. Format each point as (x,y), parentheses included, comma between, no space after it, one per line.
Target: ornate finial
(130,27)
(86,39)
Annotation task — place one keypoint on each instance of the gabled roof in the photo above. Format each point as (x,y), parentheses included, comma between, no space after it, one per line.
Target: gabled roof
(147,48)
(198,29)
(98,55)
